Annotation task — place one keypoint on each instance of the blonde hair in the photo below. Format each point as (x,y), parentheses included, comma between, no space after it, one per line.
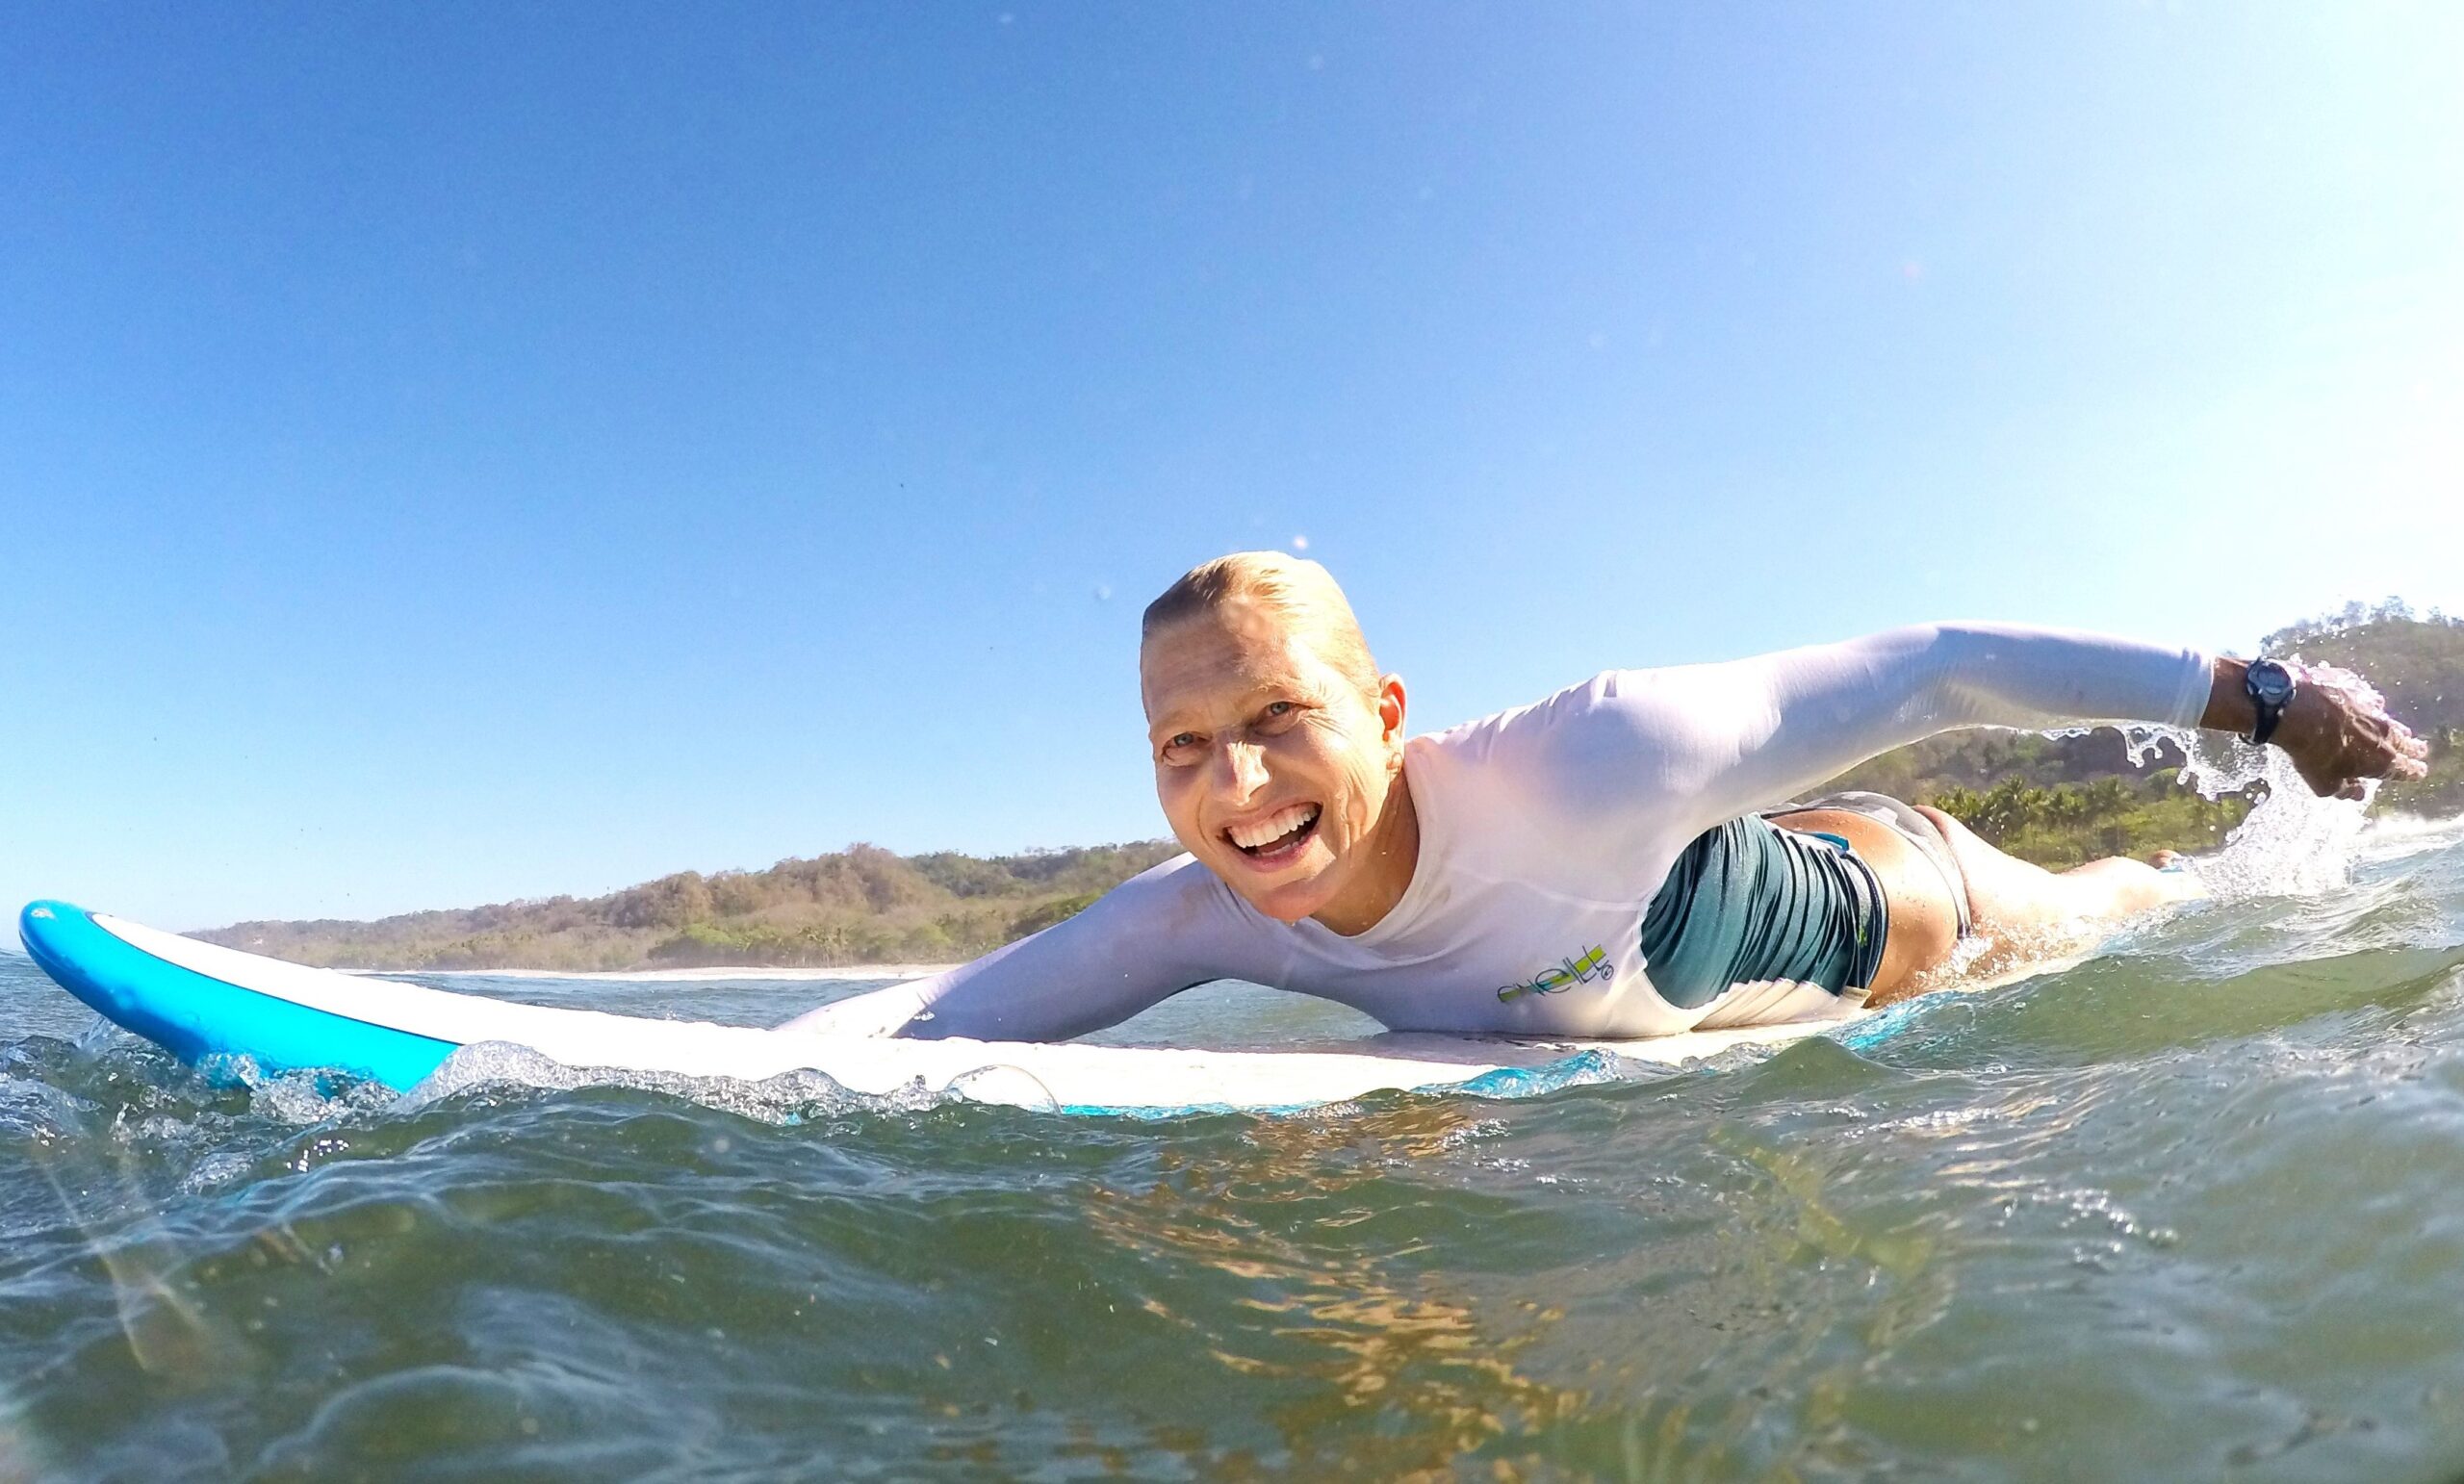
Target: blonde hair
(1295,589)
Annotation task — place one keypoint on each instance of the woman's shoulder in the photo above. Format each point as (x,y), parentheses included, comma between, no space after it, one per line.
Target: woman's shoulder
(1611,711)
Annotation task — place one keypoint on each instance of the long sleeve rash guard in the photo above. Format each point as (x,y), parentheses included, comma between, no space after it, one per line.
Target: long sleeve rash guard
(1545,831)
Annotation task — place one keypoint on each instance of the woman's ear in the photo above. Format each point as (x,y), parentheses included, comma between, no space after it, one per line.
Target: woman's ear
(1389,711)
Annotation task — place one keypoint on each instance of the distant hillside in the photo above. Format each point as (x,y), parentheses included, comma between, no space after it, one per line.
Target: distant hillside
(862,905)
(2053,800)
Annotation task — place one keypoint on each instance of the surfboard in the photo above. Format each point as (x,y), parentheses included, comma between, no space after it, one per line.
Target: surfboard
(206,1002)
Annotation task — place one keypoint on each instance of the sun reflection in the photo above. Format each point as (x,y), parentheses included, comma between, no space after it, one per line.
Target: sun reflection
(170,1336)
(23,1458)
(1407,1377)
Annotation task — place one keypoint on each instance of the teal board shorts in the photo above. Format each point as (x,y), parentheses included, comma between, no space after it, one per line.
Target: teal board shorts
(1750,901)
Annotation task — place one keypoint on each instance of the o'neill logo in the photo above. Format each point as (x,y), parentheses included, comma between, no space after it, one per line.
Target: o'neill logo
(1568,973)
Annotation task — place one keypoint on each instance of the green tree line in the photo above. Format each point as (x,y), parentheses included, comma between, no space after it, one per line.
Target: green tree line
(862,905)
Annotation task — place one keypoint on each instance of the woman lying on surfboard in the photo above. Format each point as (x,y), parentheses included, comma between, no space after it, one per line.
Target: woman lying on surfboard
(1616,859)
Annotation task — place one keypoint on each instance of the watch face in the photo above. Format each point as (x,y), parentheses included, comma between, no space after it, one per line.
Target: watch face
(2271,682)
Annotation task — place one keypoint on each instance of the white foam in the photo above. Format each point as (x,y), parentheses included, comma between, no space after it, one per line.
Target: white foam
(2395,837)
(301,1098)
(2294,843)
(790,1097)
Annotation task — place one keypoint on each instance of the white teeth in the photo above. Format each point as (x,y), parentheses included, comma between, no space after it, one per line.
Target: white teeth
(1275,827)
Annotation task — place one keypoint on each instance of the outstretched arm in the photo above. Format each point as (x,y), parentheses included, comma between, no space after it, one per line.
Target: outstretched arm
(1747,734)
(1138,945)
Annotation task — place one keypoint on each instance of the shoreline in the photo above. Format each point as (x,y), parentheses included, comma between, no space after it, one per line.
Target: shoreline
(853,971)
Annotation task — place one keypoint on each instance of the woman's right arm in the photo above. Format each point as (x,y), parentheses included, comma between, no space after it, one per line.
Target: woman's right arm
(1138,944)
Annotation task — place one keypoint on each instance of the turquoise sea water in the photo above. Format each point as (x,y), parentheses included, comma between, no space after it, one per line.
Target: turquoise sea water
(2192,1209)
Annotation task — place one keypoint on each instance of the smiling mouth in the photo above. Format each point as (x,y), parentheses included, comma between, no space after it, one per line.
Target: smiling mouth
(1277,837)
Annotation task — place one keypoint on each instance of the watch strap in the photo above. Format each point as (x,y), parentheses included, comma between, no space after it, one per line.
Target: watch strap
(2268,709)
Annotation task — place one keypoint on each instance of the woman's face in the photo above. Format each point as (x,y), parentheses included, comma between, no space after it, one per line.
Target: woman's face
(1274,769)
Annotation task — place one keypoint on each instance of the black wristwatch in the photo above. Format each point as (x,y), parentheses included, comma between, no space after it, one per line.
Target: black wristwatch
(2270,687)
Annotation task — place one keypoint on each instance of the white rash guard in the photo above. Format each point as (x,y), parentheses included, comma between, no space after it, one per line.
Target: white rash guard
(1545,831)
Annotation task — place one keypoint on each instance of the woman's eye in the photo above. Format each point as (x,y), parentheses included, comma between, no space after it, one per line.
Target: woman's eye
(1183,739)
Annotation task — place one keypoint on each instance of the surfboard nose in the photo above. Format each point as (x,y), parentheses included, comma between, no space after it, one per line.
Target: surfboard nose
(42,923)
(52,933)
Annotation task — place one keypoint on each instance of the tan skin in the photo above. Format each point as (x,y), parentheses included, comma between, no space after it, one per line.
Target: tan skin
(1251,730)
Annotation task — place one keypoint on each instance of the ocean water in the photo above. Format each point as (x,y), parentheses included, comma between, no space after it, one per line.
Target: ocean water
(2190,1209)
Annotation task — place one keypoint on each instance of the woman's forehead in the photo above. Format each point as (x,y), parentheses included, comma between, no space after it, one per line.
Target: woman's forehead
(1220,656)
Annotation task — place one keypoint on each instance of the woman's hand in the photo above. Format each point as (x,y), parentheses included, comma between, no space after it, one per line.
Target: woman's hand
(2337,732)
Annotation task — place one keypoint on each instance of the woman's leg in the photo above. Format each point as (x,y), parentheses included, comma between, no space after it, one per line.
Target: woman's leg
(2022,912)
(2012,894)
(1924,921)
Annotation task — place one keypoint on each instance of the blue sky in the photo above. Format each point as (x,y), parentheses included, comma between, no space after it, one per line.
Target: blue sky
(454,453)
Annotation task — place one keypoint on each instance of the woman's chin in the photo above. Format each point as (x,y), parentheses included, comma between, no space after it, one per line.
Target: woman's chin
(1286,899)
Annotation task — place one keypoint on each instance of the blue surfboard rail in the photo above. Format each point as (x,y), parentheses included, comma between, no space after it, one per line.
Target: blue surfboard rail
(195,1016)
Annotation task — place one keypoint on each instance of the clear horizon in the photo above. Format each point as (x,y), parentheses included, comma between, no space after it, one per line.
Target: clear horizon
(452,456)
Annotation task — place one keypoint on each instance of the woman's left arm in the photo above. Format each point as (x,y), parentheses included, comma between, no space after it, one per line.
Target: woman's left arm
(1754,732)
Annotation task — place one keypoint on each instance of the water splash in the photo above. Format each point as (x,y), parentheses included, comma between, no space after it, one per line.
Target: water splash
(1012,1087)
(788,1098)
(1582,1070)
(2294,843)
(300,1098)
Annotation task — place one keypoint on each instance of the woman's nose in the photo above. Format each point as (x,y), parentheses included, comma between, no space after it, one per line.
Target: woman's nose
(1244,769)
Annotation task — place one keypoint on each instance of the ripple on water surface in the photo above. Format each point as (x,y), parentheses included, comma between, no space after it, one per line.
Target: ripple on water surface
(2187,1210)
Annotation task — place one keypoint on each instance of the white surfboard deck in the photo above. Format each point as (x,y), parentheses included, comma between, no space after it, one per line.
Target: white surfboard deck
(1067,1076)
